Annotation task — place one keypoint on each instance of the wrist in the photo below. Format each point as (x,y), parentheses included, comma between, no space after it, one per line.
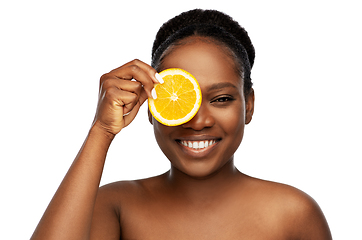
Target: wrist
(98,131)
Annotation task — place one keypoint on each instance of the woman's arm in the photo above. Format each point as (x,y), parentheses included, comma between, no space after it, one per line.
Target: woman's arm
(69,214)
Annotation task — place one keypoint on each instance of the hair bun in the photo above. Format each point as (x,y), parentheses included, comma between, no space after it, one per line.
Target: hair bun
(211,17)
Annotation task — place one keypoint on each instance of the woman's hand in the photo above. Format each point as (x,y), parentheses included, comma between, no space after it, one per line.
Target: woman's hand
(122,91)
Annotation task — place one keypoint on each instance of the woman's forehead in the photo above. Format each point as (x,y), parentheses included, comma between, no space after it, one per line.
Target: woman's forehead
(205,60)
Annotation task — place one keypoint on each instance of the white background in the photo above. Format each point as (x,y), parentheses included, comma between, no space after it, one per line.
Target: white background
(306,130)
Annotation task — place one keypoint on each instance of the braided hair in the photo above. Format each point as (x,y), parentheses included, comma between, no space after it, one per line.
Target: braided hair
(214,25)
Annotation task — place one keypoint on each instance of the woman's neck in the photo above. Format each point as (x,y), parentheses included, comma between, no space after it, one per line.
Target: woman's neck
(199,189)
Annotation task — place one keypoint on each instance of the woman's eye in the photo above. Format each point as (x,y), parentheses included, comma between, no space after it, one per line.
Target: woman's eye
(223,99)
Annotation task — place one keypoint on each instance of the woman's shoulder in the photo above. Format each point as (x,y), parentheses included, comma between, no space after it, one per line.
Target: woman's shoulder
(281,195)
(130,188)
(277,191)
(298,210)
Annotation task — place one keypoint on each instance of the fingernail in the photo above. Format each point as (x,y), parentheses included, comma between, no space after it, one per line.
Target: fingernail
(159,78)
(153,93)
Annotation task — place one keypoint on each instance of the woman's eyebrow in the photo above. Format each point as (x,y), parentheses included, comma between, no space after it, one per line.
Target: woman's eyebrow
(221,85)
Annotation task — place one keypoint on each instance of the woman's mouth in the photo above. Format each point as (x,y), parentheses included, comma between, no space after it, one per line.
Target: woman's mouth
(198,148)
(196,145)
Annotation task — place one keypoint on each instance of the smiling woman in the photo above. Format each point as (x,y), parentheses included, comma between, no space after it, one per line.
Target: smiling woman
(221,121)
(203,195)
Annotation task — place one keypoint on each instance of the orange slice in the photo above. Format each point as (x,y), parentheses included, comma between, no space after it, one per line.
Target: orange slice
(178,98)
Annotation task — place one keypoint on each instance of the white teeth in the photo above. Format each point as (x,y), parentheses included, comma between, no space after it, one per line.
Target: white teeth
(198,144)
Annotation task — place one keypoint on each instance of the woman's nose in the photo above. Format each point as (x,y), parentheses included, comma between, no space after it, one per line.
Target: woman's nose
(202,119)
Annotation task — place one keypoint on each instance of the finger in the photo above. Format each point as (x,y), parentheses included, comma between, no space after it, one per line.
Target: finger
(129,103)
(121,80)
(120,100)
(128,118)
(143,68)
(134,87)
(156,78)
(143,97)
(126,85)
(135,72)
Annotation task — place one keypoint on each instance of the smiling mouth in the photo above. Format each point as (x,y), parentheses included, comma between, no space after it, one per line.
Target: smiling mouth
(196,145)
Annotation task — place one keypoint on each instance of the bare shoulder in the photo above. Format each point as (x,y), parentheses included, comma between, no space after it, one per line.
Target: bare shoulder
(298,211)
(113,201)
(131,188)
(288,196)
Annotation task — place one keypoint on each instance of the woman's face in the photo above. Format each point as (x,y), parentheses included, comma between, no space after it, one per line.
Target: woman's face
(217,129)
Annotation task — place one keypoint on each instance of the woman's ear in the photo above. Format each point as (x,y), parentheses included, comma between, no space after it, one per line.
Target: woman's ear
(150,118)
(249,106)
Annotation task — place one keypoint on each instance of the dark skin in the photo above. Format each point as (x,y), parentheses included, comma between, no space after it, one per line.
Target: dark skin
(203,195)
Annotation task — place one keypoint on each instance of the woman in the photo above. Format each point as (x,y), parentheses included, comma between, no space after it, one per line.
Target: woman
(203,195)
